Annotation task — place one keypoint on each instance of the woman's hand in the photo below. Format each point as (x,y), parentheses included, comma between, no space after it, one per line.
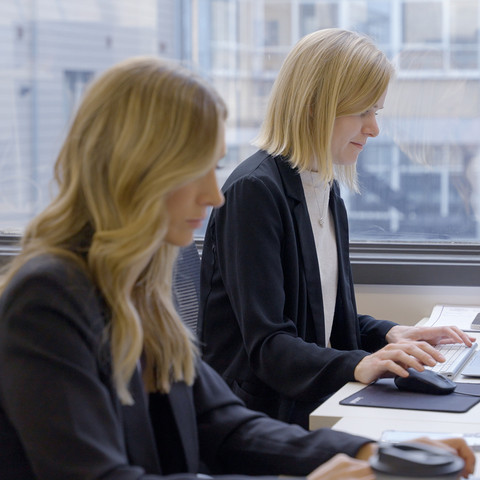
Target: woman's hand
(394,359)
(457,446)
(408,347)
(432,335)
(342,467)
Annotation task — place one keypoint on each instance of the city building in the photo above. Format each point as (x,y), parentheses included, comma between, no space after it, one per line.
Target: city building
(418,178)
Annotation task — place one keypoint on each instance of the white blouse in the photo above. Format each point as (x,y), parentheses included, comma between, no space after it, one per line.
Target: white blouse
(317,195)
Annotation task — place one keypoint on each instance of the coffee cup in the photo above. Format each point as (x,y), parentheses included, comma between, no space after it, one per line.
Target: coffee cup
(410,461)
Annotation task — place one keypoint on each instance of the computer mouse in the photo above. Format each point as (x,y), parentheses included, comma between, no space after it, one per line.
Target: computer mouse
(425,382)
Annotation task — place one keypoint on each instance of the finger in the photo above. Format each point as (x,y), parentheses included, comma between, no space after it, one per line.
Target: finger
(464,451)
(372,367)
(340,467)
(395,359)
(457,446)
(443,443)
(464,337)
(416,354)
(455,335)
(427,351)
(450,334)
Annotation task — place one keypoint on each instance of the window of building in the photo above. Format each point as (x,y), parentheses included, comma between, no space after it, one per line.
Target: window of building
(75,85)
(420,179)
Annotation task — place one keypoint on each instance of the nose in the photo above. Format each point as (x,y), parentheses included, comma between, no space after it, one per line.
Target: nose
(211,195)
(370,125)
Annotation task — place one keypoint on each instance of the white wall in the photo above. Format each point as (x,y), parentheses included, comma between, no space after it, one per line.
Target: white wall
(409,304)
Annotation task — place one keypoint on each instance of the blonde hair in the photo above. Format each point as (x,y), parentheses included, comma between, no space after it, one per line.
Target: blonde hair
(144,128)
(328,74)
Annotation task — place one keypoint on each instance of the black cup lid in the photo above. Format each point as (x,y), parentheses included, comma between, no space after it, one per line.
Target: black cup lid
(415,460)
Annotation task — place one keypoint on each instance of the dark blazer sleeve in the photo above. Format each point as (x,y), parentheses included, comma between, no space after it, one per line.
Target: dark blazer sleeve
(373,332)
(60,417)
(53,390)
(235,439)
(58,410)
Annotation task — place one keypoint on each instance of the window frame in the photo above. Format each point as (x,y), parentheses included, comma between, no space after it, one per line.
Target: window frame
(409,263)
(9,247)
(405,263)
(379,263)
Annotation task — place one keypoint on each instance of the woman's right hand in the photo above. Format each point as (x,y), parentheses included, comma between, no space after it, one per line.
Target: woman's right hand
(394,359)
(342,467)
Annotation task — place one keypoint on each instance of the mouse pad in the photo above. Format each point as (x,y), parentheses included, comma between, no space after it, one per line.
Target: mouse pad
(384,393)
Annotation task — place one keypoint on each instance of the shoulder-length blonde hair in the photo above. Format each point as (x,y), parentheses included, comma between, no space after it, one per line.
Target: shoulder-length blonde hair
(328,74)
(144,128)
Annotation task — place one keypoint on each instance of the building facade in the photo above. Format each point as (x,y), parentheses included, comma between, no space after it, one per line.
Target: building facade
(419,179)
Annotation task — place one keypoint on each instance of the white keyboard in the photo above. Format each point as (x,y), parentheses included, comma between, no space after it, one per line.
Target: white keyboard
(456,356)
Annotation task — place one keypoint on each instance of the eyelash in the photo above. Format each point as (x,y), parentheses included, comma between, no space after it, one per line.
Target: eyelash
(367,112)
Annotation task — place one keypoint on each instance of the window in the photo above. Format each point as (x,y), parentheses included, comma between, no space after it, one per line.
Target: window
(420,204)
(75,84)
(317,15)
(464,35)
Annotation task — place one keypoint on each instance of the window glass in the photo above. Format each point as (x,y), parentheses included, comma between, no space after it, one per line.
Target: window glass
(464,23)
(372,18)
(316,15)
(416,30)
(420,178)
(422,40)
(50,50)
(278,23)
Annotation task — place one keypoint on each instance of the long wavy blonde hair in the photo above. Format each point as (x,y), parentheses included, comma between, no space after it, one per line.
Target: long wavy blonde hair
(143,129)
(328,74)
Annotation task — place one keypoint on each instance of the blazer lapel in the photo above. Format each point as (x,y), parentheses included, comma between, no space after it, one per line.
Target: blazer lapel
(139,436)
(341,234)
(294,190)
(181,401)
(345,328)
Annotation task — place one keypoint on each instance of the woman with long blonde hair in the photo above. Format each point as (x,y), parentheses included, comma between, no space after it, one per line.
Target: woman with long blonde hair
(99,378)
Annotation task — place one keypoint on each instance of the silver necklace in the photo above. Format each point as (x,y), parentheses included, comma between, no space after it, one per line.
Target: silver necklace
(322,203)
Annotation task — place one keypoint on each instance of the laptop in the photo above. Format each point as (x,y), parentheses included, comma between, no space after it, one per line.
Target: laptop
(394,436)
(472,368)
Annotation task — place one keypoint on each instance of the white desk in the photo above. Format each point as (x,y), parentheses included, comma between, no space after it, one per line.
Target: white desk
(330,412)
(366,428)
(372,421)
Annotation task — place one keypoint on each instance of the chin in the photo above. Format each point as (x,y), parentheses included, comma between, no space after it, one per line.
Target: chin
(180,242)
(346,163)
(346,160)
(186,242)
(179,239)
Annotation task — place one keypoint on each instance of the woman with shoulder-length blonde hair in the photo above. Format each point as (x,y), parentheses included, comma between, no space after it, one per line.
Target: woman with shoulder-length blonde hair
(329,74)
(278,318)
(99,379)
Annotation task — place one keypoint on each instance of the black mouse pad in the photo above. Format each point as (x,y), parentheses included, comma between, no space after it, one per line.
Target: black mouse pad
(384,393)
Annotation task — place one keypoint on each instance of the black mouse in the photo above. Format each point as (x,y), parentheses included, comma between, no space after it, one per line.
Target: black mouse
(425,382)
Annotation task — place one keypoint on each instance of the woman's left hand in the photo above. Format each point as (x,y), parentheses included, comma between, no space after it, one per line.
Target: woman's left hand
(457,446)
(432,335)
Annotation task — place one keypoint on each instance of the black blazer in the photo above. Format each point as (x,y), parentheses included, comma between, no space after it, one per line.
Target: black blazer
(261,320)
(60,417)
